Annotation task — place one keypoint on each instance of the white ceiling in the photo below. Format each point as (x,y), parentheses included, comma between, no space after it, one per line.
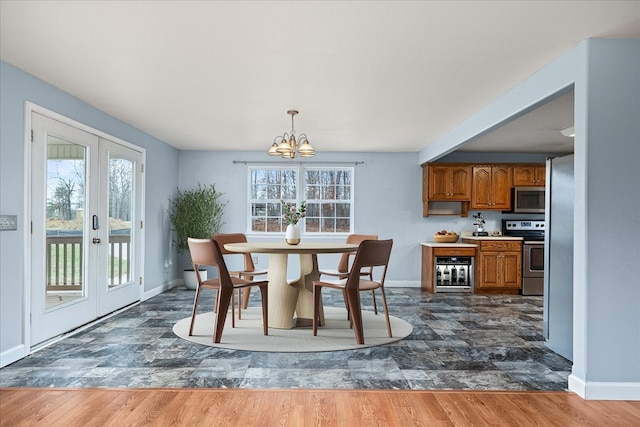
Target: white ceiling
(365,75)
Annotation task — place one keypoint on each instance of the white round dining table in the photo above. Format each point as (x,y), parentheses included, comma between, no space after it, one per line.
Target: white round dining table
(291,302)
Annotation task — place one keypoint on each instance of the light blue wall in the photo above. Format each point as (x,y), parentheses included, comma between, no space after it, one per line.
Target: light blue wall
(610,236)
(471,157)
(16,87)
(388,202)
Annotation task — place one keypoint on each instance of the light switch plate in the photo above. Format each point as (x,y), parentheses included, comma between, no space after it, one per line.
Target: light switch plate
(8,222)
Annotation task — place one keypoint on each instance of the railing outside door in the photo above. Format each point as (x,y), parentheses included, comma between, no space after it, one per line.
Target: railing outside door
(64,269)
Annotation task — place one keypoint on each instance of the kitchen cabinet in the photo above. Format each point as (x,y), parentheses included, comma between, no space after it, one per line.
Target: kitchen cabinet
(499,267)
(446,183)
(529,175)
(491,187)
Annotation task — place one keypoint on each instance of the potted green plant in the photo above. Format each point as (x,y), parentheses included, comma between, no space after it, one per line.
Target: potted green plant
(195,213)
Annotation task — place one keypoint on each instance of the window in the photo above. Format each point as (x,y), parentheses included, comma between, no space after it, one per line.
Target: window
(327,191)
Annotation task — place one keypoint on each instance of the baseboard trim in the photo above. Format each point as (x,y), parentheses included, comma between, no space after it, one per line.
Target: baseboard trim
(591,390)
(14,354)
(160,289)
(402,284)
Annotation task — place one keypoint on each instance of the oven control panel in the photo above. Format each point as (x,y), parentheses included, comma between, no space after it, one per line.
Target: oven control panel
(526,225)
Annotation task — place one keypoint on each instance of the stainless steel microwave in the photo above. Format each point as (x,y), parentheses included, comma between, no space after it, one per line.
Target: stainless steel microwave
(527,200)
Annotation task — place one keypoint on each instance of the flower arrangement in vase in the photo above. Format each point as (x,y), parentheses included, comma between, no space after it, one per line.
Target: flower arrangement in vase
(291,214)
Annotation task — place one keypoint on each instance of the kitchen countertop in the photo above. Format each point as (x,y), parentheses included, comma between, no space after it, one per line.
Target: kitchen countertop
(449,245)
(492,238)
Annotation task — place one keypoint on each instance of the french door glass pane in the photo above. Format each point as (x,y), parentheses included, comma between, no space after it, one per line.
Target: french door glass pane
(121,202)
(66,204)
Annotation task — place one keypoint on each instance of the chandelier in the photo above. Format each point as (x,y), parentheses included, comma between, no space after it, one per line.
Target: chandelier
(286,145)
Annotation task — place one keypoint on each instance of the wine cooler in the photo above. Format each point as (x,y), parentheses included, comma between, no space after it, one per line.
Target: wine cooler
(453,274)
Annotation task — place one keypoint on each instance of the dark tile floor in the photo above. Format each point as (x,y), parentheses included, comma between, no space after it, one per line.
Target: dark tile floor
(459,341)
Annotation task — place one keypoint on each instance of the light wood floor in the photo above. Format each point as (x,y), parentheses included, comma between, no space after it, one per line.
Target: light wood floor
(241,407)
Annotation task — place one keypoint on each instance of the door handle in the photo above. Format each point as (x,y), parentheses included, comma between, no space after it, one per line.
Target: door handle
(95,223)
(96,240)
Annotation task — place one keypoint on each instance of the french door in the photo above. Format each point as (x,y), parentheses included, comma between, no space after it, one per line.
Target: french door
(86,205)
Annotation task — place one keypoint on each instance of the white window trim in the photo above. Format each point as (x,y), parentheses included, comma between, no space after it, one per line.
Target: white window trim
(300,168)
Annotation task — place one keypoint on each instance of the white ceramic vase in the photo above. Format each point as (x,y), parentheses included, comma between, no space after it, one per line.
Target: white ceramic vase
(292,235)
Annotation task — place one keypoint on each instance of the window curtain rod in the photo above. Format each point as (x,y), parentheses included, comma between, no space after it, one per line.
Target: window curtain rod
(255,162)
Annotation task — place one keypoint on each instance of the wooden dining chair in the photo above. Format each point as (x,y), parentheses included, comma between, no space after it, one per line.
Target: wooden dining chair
(207,252)
(342,272)
(249,271)
(371,253)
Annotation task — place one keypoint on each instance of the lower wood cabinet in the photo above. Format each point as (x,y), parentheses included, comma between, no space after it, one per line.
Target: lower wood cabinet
(498,267)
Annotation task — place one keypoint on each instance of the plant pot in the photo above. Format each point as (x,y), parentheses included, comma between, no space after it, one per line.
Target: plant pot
(190,279)
(292,235)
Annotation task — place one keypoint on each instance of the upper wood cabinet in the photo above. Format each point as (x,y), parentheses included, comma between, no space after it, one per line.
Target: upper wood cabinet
(491,187)
(529,175)
(475,186)
(449,182)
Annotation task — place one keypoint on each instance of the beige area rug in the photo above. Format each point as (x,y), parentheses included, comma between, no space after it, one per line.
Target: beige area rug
(335,335)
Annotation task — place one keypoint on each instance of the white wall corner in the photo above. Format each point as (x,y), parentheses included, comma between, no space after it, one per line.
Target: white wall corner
(577,386)
(12,355)
(591,390)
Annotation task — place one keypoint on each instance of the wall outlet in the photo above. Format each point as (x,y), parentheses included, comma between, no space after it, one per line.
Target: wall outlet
(255,259)
(8,222)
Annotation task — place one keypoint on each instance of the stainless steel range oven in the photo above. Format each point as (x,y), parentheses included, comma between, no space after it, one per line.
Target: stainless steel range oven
(532,232)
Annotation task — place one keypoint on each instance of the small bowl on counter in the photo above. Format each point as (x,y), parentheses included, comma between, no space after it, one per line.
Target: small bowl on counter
(446,238)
